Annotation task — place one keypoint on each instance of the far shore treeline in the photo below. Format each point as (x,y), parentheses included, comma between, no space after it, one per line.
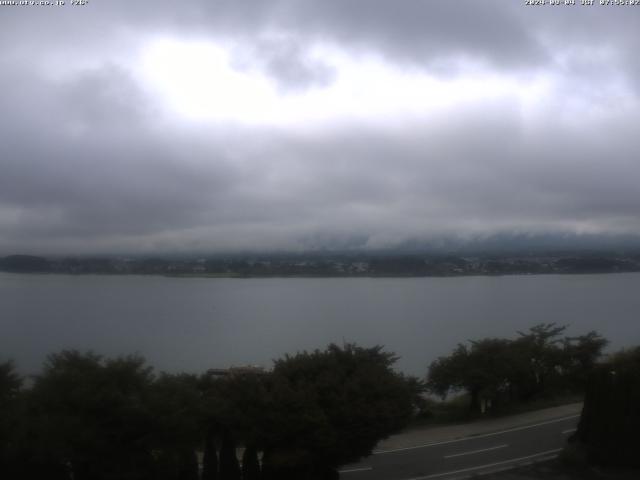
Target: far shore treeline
(327,264)
(88,417)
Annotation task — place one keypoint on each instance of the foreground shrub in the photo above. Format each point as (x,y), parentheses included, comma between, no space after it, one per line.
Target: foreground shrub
(610,422)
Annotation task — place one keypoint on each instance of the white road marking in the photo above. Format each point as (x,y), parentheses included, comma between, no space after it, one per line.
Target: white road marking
(511,467)
(351,470)
(485,435)
(569,430)
(488,465)
(476,451)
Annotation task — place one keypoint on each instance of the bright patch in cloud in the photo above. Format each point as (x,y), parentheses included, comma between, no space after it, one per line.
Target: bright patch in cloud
(197,81)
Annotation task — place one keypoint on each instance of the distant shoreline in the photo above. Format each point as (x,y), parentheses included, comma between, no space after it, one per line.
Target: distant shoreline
(356,265)
(309,276)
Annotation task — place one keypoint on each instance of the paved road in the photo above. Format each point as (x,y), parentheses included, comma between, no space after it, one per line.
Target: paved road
(464,457)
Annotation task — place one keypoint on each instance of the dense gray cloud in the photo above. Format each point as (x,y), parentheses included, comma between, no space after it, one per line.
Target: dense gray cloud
(284,61)
(91,161)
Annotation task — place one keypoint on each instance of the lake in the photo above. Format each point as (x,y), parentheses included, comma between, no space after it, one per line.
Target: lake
(191,324)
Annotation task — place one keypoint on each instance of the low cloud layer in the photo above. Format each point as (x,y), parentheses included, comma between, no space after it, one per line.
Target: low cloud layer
(216,126)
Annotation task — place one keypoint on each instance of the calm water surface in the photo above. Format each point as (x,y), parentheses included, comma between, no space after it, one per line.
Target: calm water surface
(193,324)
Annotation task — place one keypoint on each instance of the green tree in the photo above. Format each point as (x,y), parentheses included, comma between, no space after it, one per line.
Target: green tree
(540,357)
(10,383)
(482,370)
(188,465)
(581,356)
(10,387)
(236,403)
(610,421)
(233,404)
(229,465)
(331,407)
(210,457)
(174,401)
(495,371)
(250,464)
(90,415)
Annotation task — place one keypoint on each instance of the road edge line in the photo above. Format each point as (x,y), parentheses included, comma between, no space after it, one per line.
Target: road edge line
(473,437)
(489,465)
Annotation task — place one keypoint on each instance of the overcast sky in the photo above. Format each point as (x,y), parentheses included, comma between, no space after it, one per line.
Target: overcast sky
(212,125)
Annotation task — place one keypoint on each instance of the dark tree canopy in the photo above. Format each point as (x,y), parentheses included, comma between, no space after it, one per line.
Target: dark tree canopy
(90,413)
(538,362)
(229,465)
(88,417)
(10,382)
(250,464)
(331,407)
(210,458)
(608,428)
(10,385)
